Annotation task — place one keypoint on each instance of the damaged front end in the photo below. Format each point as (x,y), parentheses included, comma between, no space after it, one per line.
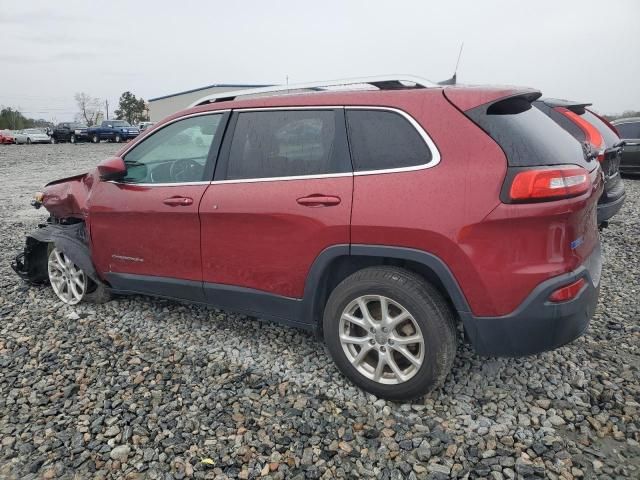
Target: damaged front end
(66,200)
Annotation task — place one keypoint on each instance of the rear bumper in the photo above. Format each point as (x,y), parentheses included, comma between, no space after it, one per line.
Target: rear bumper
(610,208)
(538,325)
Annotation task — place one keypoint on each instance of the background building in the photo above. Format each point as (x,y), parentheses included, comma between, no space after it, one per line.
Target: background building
(161,107)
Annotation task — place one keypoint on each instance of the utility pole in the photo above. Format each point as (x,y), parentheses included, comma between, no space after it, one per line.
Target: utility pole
(106,104)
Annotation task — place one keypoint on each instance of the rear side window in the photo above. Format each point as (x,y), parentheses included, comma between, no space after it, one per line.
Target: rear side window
(284,143)
(527,136)
(629,130)
(382,140)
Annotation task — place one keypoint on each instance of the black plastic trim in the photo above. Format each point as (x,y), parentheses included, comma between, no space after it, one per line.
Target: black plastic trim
(539,325)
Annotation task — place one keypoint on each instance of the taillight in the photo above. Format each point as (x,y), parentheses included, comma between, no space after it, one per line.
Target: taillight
(568,292)
(549,183)
(593,136)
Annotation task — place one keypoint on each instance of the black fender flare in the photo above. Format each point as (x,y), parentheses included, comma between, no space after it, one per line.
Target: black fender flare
(323,261)
(72,241)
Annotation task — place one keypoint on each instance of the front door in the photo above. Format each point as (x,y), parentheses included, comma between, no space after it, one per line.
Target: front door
(145,230)
(282,195)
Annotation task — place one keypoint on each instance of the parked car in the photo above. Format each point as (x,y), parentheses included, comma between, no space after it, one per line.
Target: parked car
(71,132)
(142,126)
(602,138)
(380,219)
(113,131)
(629,130)
(7,137)
(31,135)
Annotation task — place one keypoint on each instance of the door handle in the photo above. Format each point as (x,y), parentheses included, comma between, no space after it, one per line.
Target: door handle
(319,201)
(178,201)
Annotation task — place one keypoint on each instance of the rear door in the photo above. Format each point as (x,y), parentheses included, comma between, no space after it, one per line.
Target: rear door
(281,195)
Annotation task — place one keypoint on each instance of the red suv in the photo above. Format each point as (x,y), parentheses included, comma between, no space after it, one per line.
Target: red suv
(381,219)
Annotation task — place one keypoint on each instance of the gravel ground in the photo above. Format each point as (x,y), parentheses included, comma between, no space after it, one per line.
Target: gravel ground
(144,388)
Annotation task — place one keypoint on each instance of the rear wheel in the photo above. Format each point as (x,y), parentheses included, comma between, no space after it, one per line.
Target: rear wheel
(390,332)
(117,138)
(95,139)
(52,140)
(70,283)
(72,138)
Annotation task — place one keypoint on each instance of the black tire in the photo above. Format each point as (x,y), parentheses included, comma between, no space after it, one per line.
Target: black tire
(28,141)
(52,140)
(430,311)
(95,139)
(117,138)
(72,138)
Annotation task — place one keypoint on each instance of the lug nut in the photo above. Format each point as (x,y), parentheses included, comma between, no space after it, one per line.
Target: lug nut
(384,329)
(373,330)
(382,349)
(390,342)
(372,341)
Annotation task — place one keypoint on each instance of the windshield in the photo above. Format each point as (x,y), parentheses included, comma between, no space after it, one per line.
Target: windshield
(77,125)
(120,123)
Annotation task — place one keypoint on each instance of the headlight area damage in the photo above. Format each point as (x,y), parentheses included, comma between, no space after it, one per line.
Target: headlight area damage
(66,233)
(31,264)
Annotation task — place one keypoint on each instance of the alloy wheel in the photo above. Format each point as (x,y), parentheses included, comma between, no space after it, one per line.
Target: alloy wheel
(68,281)
(381,339)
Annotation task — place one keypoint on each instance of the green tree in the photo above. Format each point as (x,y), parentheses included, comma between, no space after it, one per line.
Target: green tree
(132,109)
(12,119)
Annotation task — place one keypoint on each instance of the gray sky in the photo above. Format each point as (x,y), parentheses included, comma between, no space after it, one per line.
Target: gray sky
(583,50)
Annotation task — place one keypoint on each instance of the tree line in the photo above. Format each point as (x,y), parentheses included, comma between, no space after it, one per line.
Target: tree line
(11,119)
(130,108)
(91,110)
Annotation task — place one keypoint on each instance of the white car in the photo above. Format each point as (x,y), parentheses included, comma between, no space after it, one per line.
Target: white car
(31,135)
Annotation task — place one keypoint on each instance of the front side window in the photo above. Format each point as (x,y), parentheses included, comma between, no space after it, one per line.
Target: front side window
(119,123)
(629,130)
(382,140)
(176,153)
(284,143)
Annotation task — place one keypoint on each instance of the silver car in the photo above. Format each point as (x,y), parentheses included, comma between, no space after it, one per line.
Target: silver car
(31,135)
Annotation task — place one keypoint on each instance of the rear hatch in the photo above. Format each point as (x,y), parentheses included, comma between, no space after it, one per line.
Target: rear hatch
(549,196)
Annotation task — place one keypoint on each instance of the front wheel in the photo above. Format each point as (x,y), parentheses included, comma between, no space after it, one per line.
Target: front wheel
(117,138)
(52,140)
(70,283)
(72,138)
(95,139)
(390,332)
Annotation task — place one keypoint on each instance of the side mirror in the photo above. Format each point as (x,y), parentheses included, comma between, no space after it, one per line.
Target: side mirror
(112,169)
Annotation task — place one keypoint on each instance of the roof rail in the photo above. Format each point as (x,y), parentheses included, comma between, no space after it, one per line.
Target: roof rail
(383,82)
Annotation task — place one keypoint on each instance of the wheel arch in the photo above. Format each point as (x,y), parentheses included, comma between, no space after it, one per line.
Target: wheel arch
(336,263)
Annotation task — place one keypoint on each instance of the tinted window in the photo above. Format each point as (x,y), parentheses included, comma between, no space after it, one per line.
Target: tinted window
(381,140)
(176,153)
(527,136)
(285,143)
(629,130)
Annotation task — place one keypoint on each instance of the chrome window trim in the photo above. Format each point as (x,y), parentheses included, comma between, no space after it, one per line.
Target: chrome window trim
(435,153)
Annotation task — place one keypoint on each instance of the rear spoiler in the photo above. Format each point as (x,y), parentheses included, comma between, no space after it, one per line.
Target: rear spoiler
(575,107)
(466,98)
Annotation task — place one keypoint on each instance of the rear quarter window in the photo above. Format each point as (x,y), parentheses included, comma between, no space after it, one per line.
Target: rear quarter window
(382,140)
